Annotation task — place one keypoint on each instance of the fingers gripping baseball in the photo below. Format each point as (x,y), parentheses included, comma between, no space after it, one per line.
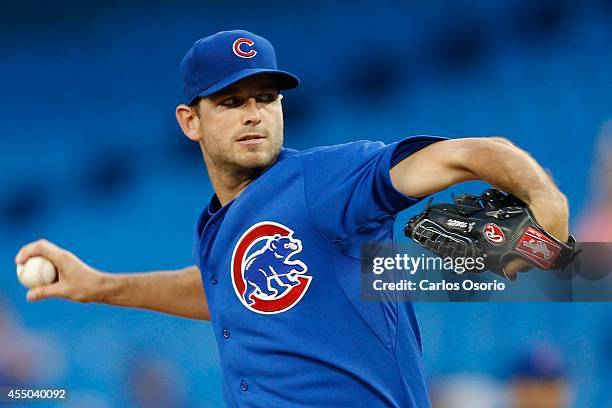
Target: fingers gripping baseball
(43,248)
(76,280)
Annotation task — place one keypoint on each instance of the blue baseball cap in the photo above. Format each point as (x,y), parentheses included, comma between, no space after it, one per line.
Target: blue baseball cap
(222,59)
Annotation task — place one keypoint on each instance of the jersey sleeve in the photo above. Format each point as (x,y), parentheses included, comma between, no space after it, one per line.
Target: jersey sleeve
(348,187)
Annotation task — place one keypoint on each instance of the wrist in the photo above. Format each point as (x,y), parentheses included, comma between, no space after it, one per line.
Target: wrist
(548,196)
(110,288)
(552,213)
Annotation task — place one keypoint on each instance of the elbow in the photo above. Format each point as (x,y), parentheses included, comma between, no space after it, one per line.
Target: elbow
(493,147)
(482,149)
(499,142)
(481,158)
(473,145)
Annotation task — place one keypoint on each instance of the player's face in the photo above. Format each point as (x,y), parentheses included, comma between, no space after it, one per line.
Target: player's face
(242,125)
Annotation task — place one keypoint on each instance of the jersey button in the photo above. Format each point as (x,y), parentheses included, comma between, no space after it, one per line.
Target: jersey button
(244,386)
(214,279)
(226,333)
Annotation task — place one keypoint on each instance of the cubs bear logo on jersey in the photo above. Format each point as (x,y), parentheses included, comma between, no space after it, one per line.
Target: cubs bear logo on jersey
(266,277)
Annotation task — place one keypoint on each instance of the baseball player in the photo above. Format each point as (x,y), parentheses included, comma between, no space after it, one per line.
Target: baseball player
(277,248)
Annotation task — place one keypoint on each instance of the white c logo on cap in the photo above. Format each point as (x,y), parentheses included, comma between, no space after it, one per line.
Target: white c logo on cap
(243,54)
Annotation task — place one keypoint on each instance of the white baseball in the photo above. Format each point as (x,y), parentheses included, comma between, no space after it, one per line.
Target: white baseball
(37,271)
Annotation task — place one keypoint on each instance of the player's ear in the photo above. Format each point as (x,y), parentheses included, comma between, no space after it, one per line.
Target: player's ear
(189,121)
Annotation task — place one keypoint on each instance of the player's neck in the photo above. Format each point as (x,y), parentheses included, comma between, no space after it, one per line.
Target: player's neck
(229,184)
(226,193)
(230,181)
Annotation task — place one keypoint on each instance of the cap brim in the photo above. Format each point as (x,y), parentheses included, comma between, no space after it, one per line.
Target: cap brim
(283,79)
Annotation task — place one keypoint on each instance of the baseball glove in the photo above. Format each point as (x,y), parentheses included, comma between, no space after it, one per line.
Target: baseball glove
(494,226)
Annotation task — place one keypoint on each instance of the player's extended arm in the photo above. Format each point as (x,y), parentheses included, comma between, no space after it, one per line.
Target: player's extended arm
(494,160)
(179,292)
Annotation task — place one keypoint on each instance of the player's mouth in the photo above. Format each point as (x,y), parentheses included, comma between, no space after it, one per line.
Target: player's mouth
(251,139)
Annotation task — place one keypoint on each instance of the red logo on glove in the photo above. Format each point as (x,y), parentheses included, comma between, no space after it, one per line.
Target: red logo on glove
(538,248)
(494,234)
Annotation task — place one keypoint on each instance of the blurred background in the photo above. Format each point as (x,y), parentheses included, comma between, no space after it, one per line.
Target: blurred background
(91,158)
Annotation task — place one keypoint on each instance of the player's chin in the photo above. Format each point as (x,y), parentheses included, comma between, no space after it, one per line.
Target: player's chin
(253,146)
(256,158)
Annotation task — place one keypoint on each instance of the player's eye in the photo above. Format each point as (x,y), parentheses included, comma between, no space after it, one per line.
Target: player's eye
(267,97)
(231,102)
(286,246)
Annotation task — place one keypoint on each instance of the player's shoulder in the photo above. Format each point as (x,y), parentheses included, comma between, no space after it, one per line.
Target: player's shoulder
(360,150)
(339,150)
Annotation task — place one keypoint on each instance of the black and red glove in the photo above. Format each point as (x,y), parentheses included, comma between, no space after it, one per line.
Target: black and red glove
(495,226)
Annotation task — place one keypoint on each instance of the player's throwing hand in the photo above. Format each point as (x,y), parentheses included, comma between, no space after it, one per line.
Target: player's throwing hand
(76,281)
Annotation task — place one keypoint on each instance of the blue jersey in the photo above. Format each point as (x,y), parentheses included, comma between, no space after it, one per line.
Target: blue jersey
(281,272)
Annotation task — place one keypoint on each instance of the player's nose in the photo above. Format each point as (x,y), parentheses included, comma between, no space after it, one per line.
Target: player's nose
(251,112)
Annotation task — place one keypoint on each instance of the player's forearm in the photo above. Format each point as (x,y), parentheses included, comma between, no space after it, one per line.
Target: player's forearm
(494,160)
(505,166)
(178,293)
